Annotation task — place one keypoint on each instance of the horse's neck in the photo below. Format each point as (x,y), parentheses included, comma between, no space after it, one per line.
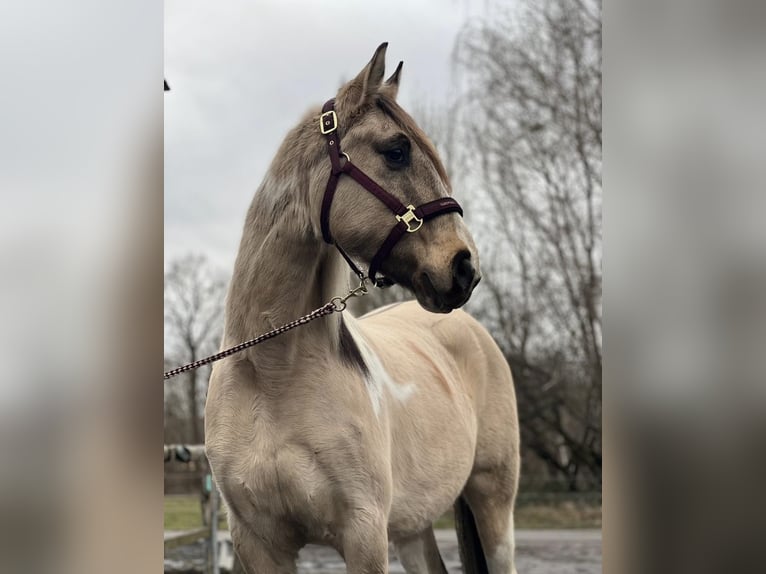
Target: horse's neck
(283,272)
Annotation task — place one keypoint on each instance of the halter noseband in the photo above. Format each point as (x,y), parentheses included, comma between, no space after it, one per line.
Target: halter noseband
(408,218)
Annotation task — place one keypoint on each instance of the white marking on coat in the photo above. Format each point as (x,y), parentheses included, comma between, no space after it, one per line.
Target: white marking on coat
(377,379)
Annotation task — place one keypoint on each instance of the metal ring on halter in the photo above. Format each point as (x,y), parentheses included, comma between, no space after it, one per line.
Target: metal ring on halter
(343,153)
(339,303)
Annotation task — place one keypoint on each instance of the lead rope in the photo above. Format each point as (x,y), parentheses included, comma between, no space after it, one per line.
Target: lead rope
(336,305)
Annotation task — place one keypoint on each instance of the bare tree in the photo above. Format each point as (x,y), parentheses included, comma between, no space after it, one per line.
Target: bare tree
(194,300)
(177,417)
(529,124)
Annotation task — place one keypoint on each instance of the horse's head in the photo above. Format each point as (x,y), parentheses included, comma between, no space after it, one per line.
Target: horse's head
(438,261)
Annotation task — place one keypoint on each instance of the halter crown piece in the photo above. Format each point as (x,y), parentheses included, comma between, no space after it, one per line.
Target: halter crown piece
(408,218)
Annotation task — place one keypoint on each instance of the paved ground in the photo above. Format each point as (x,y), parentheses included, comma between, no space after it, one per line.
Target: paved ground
(538,552)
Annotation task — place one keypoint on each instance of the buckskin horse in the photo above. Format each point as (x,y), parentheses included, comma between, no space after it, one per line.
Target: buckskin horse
(355,432)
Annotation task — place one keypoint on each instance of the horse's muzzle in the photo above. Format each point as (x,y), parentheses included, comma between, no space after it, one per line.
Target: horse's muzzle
(463,273)
(464,277)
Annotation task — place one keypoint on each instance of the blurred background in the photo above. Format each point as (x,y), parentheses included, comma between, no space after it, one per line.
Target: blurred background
(510,93)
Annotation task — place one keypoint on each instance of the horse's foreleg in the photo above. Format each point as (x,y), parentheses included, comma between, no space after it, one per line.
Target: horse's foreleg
(259,556)
(420,555)
(365,543)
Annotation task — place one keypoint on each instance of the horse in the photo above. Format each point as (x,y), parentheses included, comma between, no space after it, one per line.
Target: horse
(356,432)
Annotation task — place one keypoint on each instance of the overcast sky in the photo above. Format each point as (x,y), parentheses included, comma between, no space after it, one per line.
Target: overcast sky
(243,72)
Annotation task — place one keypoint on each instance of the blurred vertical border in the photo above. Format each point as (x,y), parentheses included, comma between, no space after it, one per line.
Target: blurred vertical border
(81,279)
(685,287)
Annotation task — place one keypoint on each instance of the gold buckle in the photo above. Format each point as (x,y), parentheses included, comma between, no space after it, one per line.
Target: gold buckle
(408,217)
(330,115)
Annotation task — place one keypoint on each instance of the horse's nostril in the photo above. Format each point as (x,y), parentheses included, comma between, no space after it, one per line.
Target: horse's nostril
(463,271)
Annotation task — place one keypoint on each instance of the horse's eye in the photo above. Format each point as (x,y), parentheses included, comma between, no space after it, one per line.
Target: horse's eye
(396,155)
(396,152)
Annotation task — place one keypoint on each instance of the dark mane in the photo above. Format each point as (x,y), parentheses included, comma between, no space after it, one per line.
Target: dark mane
(408,125)
(349,350)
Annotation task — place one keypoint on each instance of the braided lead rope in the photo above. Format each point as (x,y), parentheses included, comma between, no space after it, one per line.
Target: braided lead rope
(327,309)
(336,305)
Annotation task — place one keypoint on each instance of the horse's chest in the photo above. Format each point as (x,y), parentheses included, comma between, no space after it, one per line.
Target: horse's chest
(287,479)
(285,487)
(279,465)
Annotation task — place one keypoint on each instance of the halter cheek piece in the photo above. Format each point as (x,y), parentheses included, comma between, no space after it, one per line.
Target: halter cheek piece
(408,218)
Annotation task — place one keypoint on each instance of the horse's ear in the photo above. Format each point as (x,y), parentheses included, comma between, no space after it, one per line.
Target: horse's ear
(391,86)
(367,82)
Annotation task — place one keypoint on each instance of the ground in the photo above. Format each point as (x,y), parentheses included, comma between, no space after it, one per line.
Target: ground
(555,535)
(538,552)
